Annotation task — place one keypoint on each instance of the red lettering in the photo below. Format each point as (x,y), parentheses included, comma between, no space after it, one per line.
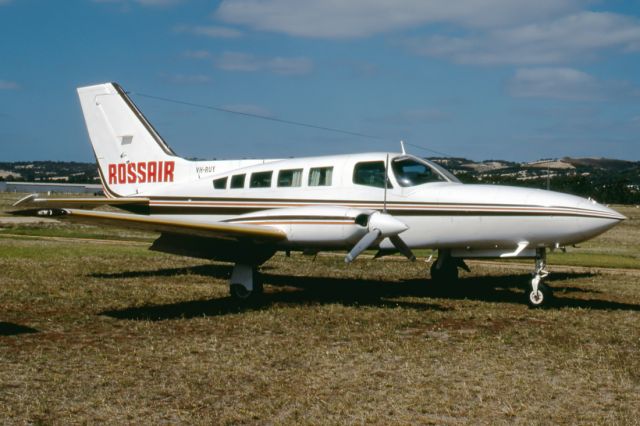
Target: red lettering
(131,173)
(112,174)
(122,173)
(169,167)
(142,172)
(151,171)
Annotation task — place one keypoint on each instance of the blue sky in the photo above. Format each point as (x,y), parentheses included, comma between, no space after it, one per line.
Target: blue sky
(493,79)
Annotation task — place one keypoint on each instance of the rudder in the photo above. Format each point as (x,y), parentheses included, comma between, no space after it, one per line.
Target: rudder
(132,157)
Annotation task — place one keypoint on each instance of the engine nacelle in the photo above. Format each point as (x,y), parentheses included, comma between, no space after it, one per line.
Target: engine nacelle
(328,227)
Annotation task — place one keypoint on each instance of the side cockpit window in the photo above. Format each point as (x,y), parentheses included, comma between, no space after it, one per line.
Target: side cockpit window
(410,172)
(370,173)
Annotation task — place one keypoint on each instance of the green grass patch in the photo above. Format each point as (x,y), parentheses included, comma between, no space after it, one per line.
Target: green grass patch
(602,260)
(109,332)
(28,248)
(78,231)
(98,332)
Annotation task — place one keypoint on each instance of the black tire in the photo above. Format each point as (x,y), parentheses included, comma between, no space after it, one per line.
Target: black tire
(239,293)
(541,299)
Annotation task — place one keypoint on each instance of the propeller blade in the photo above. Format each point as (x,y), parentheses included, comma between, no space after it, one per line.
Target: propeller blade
(402,247)
(362,245)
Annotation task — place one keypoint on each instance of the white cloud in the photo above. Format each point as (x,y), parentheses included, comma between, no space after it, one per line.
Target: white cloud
(518,32)
(235,61)
(188,78)
(360,18)
(418,116)
(566,84)
(158,2)
(634,123)
(197,54)
(9,85)
(212,31)
(578,36)
(152,3)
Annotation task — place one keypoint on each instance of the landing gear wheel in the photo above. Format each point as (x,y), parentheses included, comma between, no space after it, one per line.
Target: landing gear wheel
(537,293)
(240,293)
(540,298)
(245,284)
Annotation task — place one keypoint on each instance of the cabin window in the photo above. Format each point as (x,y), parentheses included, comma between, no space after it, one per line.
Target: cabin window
(320,176)
(370,173)
(220,183)
(409,172)
(260,180)
(237,181)
(291,177)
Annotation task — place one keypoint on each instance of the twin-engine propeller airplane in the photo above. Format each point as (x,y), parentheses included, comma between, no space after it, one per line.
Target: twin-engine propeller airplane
(244,211)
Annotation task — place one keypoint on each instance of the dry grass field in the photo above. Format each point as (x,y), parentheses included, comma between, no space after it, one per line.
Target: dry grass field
(96,329)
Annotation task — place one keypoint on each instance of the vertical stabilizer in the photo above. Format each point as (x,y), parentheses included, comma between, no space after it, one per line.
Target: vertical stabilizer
(132,157)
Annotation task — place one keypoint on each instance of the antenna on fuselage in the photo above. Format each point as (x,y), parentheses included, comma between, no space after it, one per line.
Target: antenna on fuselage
(402,147)
(386,184)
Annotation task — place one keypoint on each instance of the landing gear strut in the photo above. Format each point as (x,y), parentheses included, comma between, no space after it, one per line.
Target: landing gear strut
(445,268)
(538,294)
(245,283)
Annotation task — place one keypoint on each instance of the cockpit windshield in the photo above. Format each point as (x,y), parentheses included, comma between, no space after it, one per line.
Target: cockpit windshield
(411,171)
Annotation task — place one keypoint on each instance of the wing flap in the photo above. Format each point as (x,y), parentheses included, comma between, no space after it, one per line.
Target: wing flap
(216,230)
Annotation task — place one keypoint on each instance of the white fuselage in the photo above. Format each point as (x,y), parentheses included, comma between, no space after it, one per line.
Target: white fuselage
(473,220)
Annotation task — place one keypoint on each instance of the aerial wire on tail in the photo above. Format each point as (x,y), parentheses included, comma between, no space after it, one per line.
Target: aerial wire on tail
(287,122)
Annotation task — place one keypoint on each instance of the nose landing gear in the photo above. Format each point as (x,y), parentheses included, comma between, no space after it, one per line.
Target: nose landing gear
(538,294)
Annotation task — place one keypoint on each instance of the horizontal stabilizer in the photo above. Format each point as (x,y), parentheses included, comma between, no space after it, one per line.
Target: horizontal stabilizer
(33,202)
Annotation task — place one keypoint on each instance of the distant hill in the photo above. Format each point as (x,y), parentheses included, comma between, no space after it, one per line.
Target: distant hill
(603,179)
(601,163)
(49,171)
(606,180)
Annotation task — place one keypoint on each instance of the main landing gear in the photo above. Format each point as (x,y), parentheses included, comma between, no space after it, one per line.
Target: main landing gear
(245,284)
(537,293)
(445,269)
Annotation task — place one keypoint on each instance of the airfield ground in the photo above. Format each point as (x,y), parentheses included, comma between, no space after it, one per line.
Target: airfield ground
(96,329)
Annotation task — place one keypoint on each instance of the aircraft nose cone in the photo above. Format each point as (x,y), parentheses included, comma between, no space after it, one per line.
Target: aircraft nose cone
(573,219)
(596,218)
(604,211)
(386,224)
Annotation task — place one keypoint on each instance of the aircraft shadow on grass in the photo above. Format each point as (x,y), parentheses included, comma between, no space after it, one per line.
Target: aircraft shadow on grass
(357,292)
(11,329)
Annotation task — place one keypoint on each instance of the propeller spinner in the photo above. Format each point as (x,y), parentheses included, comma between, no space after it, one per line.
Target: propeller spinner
(381,225)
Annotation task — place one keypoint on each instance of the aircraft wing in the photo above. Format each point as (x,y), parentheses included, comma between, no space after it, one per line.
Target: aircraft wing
(34,202)
(216,230)
(308,226)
